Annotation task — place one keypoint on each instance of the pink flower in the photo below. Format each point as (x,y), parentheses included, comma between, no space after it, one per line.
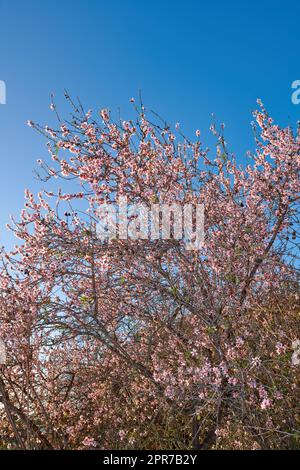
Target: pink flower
(266,403)
(89,442)
(104,113)
(122,434)
(280,348)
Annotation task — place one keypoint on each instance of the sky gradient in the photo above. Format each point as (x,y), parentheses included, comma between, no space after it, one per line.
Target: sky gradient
(189,58)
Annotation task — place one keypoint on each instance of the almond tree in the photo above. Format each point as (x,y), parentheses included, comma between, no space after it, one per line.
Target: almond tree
(142,343)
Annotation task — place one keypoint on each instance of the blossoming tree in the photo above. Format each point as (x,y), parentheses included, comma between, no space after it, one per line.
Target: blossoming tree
(142,343)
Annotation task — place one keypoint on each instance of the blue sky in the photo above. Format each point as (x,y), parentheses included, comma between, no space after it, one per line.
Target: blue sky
(190,58)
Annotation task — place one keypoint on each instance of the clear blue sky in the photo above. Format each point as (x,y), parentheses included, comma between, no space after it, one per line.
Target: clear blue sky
(190,58)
